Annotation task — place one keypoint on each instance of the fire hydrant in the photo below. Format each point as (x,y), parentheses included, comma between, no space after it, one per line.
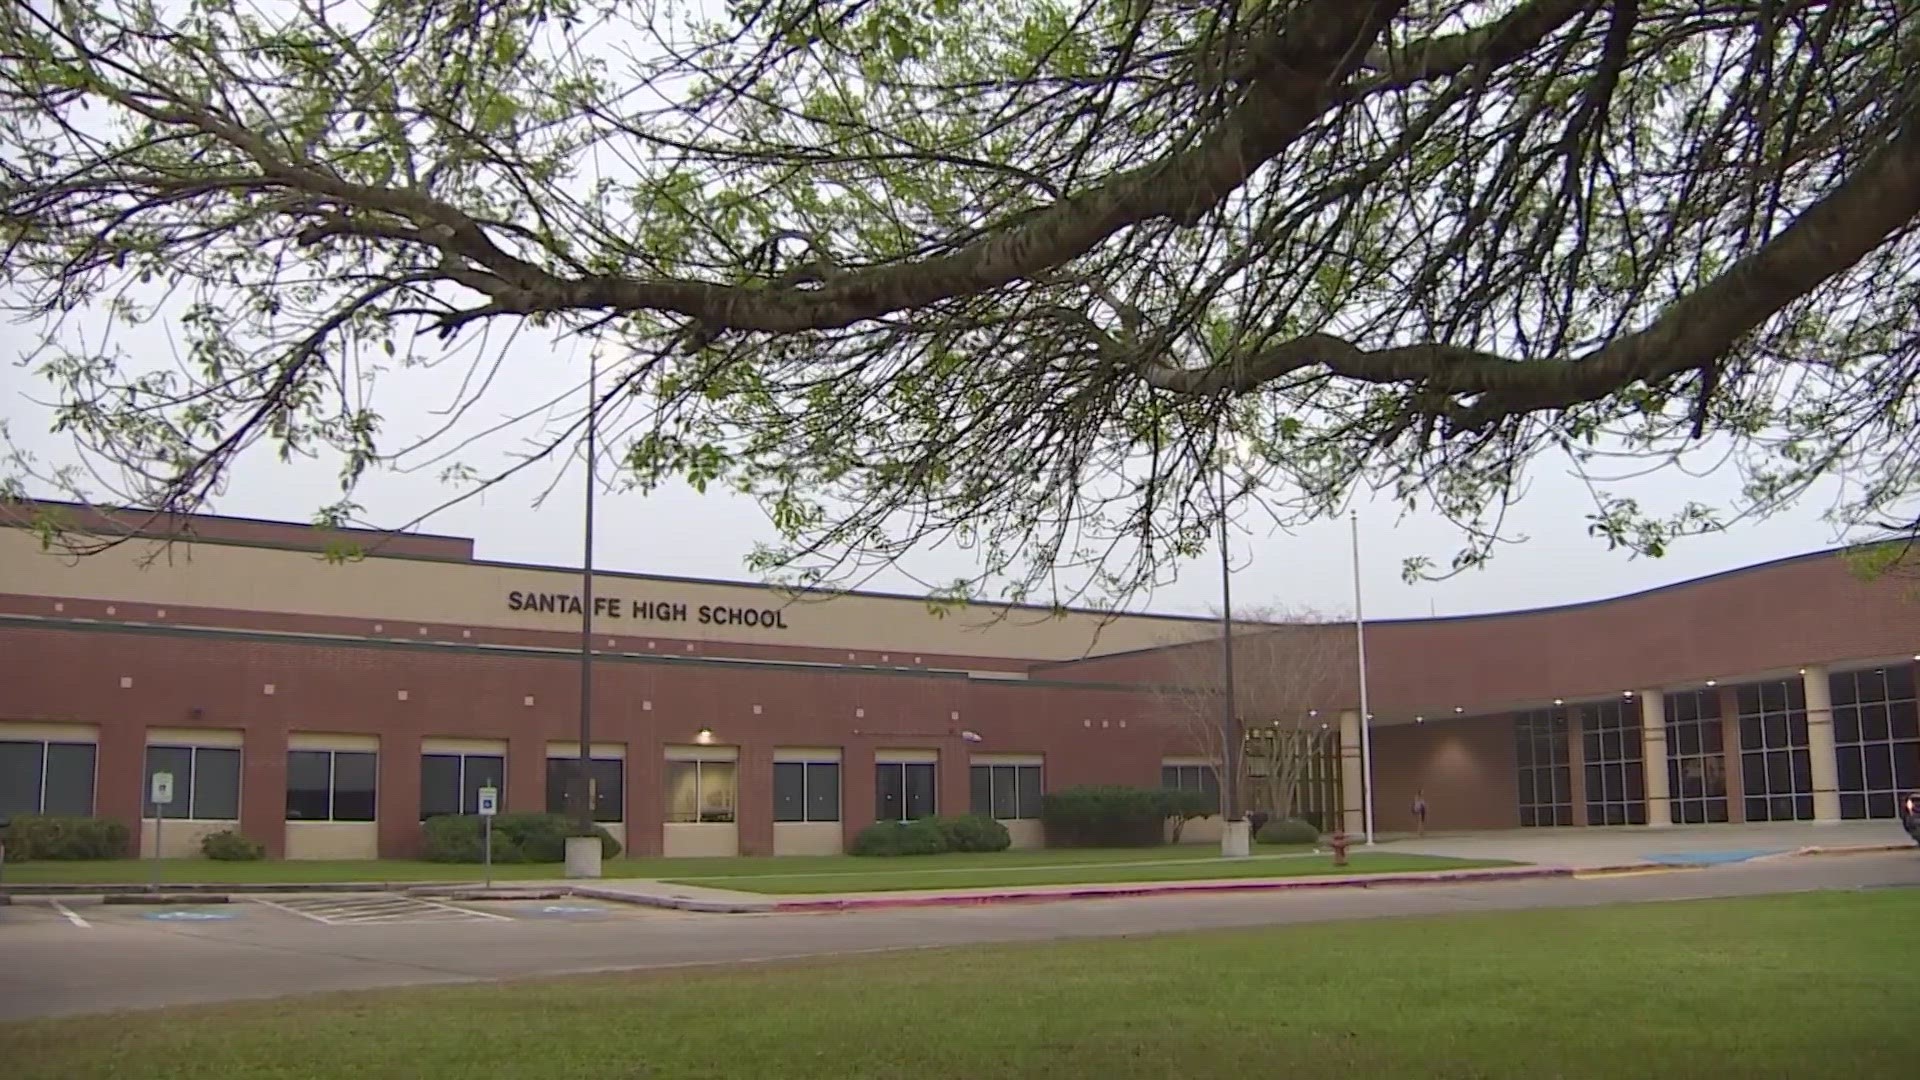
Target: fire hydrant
(1338,842)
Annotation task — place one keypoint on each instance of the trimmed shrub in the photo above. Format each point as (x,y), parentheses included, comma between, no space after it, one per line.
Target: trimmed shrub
(230,845)
(889,838)
(1111,816)
(974,832)
(517,837)
(37,836)
(1288,831)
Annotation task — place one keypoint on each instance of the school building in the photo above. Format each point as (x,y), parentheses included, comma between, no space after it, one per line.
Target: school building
(326,708)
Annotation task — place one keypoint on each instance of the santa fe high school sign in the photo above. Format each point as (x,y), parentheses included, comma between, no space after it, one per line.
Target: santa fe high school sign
(614,607)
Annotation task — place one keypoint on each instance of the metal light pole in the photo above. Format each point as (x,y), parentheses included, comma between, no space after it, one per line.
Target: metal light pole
(1366,718)
(583,850)
(1230,734)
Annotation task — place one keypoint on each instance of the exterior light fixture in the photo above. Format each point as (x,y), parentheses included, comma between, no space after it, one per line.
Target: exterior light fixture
(970,736)
(1626,693)
(1419,719)
(1558,701)
(1711,682)
(1458,709)
(705,736)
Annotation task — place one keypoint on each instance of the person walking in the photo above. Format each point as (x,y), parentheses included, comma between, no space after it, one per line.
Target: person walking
(1420,813)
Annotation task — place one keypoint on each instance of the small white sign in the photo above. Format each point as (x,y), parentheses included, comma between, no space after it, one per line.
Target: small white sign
(162,788)
(489,801)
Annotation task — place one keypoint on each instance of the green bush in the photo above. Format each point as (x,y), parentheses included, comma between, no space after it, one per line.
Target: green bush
(1288,831)
(517,837)
(974,832)
(887,838)
(1112,816)
(230,845)
(35,836)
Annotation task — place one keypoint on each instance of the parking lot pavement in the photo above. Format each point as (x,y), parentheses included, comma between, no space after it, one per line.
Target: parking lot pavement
(120,957)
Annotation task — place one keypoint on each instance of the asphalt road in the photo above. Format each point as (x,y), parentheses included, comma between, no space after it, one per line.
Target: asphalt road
(74,957)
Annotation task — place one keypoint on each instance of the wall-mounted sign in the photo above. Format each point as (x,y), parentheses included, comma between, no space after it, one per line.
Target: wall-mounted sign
(614,607)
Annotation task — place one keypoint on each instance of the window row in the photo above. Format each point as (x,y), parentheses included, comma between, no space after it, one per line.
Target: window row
(343,785)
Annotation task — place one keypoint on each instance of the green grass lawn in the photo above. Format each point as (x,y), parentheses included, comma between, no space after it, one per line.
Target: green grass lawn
(811,874)
(892,875)
(1805,985)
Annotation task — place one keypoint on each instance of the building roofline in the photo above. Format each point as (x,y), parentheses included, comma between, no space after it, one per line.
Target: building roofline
(827,593)
(1511,613)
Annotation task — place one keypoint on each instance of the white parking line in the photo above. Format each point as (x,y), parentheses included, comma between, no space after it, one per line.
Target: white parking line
(71,917)
(289,910)
(461,910)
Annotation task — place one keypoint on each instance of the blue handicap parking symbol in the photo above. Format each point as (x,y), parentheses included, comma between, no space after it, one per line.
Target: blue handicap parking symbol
(190,916)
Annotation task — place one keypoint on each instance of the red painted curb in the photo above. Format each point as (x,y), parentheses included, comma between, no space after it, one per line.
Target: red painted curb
(1118,891)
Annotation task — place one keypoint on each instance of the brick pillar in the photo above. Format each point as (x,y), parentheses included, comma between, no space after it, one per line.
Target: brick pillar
(856,789)
(1653,758)
(1820,748)
(953,778)
(120,776)
(754,800)
(399,796)
(263,781)
(646,804)
(526,771)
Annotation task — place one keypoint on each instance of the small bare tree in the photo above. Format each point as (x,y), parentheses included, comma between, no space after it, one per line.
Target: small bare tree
(1290,671)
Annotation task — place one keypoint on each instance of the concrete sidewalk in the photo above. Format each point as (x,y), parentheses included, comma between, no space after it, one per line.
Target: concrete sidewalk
(1587,847)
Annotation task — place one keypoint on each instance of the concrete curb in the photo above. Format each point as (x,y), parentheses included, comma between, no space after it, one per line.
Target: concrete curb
(167,899)
(676,903)
(1121,890)
(1852,849)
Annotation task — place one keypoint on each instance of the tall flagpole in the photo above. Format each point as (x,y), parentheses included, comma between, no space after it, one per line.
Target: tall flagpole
(1366,718)
(583,793)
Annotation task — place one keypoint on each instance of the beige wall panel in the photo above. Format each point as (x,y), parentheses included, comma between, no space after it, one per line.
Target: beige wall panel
(806,837)
(408,593)
(700,840)
(181,838)
(1026,833)
(333,839)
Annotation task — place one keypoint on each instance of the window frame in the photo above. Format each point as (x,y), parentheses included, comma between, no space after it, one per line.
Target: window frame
(932,775)
(333,786)
(46,756)
(807,784)
(557,794)
(1021,812)
(192,785)
(460,781)
(700,766)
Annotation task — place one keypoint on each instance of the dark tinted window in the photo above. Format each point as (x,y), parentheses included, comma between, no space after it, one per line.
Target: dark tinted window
(216,783)
(439,785)
(355,779)
(177,761)
(309,785)
(20,776)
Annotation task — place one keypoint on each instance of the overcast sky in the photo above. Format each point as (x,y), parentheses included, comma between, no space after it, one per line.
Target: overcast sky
(680,532)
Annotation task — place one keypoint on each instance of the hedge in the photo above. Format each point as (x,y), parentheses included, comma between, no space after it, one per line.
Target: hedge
(886,838)
(1288,831)
(932,836)
(1112,816)
(230,845)
(523,837)
(34,836)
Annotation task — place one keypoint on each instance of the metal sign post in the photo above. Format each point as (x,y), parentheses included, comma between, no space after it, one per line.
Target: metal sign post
(162,796)
(489,805)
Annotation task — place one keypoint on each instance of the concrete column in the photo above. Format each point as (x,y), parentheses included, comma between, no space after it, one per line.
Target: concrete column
(1577,764)
(1730,751)
(1653,757)
(1826,767)
(1353,777)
